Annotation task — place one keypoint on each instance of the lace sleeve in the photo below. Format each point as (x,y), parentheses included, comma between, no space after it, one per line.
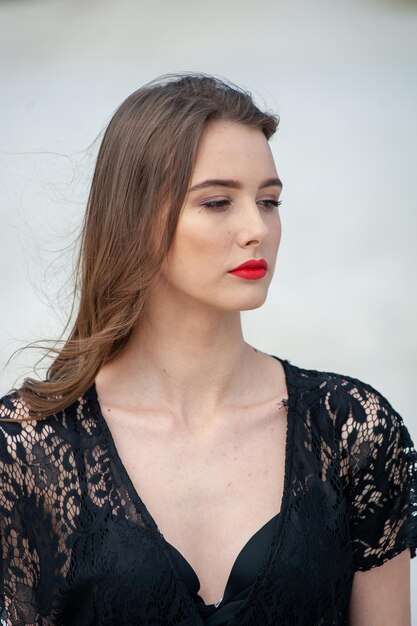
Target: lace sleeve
(33,553)
(18,576)
(380,464)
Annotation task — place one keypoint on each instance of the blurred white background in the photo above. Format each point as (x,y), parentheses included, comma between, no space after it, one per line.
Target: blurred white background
(343,77)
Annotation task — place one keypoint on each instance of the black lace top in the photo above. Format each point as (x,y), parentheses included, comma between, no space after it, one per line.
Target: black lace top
(80,548)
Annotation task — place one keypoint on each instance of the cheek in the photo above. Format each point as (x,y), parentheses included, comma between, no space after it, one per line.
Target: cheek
(276,231)
(274,242)
(197,247)
(279,234)
(202,241)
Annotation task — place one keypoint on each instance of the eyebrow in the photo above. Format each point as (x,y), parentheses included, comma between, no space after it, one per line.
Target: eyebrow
(233,184)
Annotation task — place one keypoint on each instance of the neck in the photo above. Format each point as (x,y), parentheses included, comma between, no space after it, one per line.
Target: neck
(189,362)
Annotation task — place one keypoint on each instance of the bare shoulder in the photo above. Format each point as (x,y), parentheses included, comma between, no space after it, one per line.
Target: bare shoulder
(381,595)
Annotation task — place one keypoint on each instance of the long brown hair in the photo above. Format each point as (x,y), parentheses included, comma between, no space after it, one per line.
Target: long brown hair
(139,185)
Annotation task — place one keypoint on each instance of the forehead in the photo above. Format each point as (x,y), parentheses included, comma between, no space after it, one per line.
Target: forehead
(233,146)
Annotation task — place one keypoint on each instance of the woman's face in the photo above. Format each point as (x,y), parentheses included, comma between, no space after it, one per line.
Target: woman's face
(230,216)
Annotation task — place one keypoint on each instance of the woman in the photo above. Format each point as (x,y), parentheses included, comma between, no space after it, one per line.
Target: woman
(167,472)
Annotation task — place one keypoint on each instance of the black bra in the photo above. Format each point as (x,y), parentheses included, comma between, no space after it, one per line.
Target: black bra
(242,576)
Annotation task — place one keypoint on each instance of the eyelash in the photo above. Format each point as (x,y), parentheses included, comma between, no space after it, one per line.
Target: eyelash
(221,205)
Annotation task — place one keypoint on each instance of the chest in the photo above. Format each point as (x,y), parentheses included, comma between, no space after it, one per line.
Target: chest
(123,570)
(209,493)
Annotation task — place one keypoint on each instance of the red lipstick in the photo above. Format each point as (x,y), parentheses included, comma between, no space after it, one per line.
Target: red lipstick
(251,270)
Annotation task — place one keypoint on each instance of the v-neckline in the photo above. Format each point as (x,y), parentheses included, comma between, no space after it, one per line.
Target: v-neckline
(233,572)
(150,522)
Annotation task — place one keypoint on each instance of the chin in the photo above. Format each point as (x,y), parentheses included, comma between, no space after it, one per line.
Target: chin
(253,306)
(254,302)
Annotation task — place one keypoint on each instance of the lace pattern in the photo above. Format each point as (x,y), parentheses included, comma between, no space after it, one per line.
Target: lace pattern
(78,549)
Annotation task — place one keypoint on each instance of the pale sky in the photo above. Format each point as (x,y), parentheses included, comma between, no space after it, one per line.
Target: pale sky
(343,78)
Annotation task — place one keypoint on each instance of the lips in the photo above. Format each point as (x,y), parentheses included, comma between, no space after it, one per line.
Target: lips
(255,264)
(251,270)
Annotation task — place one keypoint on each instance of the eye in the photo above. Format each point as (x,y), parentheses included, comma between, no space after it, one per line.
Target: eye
(269,203)
(216,205)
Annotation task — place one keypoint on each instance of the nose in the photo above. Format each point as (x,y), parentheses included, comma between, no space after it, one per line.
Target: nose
(254,228)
